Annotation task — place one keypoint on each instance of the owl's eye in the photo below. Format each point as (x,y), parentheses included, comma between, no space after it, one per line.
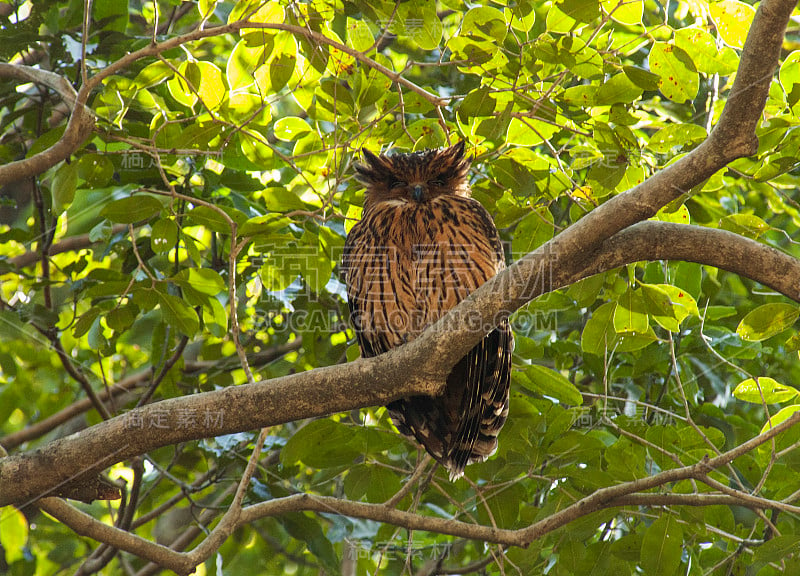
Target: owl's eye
(398,184)
(436,182)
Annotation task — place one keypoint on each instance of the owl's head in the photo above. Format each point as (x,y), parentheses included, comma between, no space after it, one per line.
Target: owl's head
(415,177)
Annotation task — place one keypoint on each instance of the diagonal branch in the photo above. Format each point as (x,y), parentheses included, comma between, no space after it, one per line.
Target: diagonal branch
(79,127)
(420,366)
(711,246)
(366,382)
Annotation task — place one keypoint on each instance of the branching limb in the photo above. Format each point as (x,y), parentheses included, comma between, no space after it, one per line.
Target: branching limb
(80,124)
(415,368)
(627,494)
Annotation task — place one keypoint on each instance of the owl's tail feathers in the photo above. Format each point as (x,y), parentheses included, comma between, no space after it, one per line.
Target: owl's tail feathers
(419,417)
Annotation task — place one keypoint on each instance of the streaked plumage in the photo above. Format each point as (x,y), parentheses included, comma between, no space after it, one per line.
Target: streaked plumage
(420,248)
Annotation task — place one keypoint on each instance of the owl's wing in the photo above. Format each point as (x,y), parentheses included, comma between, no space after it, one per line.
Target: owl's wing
(360,250)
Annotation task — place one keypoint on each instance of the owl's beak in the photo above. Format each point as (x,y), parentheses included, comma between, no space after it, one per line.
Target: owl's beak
(417,193)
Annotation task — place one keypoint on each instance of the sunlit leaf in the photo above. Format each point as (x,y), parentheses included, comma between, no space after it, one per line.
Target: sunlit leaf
(733,19)
(678,79)
(766,389)
(14,534)
(766,321)
(551,383)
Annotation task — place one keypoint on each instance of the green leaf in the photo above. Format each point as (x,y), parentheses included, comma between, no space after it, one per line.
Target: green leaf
(65,181)
(781,416)
(321,444)
(504,506)
(497,126)
(479,102)
(133,209)
(732,19)
(773,392)
(374,483)
(702,48)
(625,460)
(290,128)
(95,169)
(630,315)
(210,218)
(270,12)
(281,69)
(548,382)
(280,199)
(215,317)
(533,231)
(242,63)
(46,140)
(766,321)
(565,16)
(662,547)
(244,108)
(644,79)
(183,85)
(212,88)
(359,36)
(420,21)
(773,551)
(121,318)
(618,89)
(264,225)
(678,79)
(163,235)
(748,225)
(680,136)
(668,305)
(178,313)
(14,535)
(307,529)
(523,15)
(113,14)
(598,334)
(485,22)
(629,12)
(679,216)
(152,75)
(790,71)
(204,280)
(84,323)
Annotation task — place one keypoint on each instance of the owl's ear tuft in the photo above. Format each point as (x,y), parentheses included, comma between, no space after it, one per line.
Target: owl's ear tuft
(371,158)
(457,149)
(456,153)
(372,170)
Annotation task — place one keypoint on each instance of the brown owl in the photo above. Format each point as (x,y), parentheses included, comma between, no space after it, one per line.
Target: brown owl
(420,248)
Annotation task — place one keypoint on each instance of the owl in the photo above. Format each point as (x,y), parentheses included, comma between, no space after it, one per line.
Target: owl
(421,247)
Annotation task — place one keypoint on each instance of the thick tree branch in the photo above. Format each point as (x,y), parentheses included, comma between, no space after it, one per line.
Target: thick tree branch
(371,382)
(597,241)
(711,246)
(79,127)
(366,382)
(85,525)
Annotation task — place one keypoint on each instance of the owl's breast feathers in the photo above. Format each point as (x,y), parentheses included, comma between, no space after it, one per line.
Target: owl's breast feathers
(406,264)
